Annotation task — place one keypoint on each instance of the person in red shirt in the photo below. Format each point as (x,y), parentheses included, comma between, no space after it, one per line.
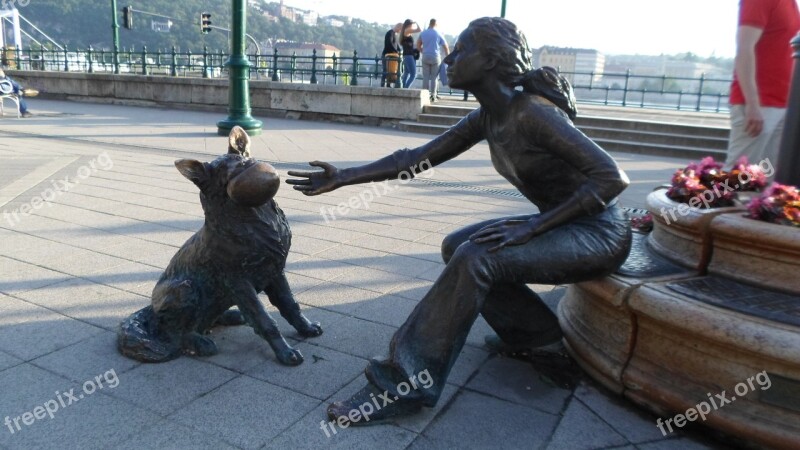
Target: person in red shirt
(762,75)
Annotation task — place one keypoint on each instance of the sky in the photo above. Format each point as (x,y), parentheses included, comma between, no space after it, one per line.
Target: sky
(646,27)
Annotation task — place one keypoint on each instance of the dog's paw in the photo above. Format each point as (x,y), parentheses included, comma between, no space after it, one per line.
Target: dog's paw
(197,345)
(310,329)
(289,357)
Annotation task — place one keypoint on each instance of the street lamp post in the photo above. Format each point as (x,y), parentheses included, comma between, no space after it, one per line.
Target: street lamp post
(238,77)
(503,9)
(115,35)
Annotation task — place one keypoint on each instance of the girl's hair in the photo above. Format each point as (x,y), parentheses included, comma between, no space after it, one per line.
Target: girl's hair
(406,24)
(501,38)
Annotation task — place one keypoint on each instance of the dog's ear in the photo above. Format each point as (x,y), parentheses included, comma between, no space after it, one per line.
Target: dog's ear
(193,170)
(239,142)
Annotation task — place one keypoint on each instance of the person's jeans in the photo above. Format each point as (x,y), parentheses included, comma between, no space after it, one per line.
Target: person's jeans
(409,70)
(430,74)
(23,107)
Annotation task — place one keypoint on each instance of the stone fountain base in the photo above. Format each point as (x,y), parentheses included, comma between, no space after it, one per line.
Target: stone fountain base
(671,332)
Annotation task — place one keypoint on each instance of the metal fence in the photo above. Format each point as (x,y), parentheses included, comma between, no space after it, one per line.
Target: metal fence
(614,89)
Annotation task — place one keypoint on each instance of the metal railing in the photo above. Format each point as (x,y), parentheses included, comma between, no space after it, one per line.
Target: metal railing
(613,89)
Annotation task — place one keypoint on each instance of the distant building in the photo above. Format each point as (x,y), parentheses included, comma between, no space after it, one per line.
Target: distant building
(333,22)
(304,51)
(578,64)
(307,17)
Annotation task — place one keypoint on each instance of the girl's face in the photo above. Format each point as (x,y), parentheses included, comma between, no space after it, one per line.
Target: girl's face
(465,64)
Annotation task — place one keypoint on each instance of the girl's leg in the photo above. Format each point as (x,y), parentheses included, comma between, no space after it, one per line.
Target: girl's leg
(434,334)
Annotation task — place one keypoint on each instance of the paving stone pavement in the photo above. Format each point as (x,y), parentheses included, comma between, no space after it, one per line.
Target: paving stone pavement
(92,210)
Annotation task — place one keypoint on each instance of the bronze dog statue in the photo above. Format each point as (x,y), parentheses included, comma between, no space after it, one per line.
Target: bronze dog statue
(240,251)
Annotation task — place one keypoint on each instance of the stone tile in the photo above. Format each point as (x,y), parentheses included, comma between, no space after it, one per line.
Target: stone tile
(28,331)
(580,428)
(631,422)
(318,268)
(94,421)
(323,372)
(301,283)
(240,348)
(7,361)
(410,267)
(414,289)
(82,299)
(472,421)
(387,309)
(170,386)
(87,359)
(20,276)
(245,412)
(357,337)
(314,430)
(477,335)
(418,422)
(468,362)
(422,251)
(374,280)
(518,382)
(167,435)
(132,277)
(337,297)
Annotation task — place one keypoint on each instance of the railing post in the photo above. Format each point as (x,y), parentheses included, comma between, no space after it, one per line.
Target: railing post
(625,89)
(144,60)
(292,66)
(158,59)
(378,73)
(18,57)
(275,65)
(188,62)
(66,59)
(174,64)
(205,61)
(313,66)
(354,81)
(700,91)
(333,67)
(89,58)
(43,62)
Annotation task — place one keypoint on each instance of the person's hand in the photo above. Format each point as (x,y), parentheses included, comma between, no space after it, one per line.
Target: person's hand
(754,120)
(317,182)
(507,232)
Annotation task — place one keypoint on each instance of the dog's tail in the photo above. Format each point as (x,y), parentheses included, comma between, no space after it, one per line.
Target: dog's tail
(138,338)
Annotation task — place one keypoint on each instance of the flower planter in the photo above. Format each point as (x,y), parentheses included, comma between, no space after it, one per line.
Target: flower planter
(756,252)
(681,233)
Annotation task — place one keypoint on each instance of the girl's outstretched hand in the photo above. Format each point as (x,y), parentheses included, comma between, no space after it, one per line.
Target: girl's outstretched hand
(507,232)
(316,182)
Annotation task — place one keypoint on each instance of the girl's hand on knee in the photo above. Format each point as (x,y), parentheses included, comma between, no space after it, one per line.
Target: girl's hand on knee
(507,232)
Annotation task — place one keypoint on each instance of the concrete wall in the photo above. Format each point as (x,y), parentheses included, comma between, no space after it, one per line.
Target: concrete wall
(357,104)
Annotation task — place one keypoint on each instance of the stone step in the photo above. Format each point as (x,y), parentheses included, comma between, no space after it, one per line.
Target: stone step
(658,127)
(654,137)
(438,119)
(446,110)
(672,151)
(611,145)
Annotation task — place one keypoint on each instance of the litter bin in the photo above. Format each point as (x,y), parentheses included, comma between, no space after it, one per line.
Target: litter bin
(9,57)
(392,62)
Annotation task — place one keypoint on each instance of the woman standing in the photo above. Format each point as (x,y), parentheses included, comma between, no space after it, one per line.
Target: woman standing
(579,232)
(409,60)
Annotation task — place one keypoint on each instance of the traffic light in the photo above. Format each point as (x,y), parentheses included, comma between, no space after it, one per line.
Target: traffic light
(127,17)
(205,23)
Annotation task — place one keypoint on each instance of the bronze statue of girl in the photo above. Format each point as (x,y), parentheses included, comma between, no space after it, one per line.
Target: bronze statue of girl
(579,233)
